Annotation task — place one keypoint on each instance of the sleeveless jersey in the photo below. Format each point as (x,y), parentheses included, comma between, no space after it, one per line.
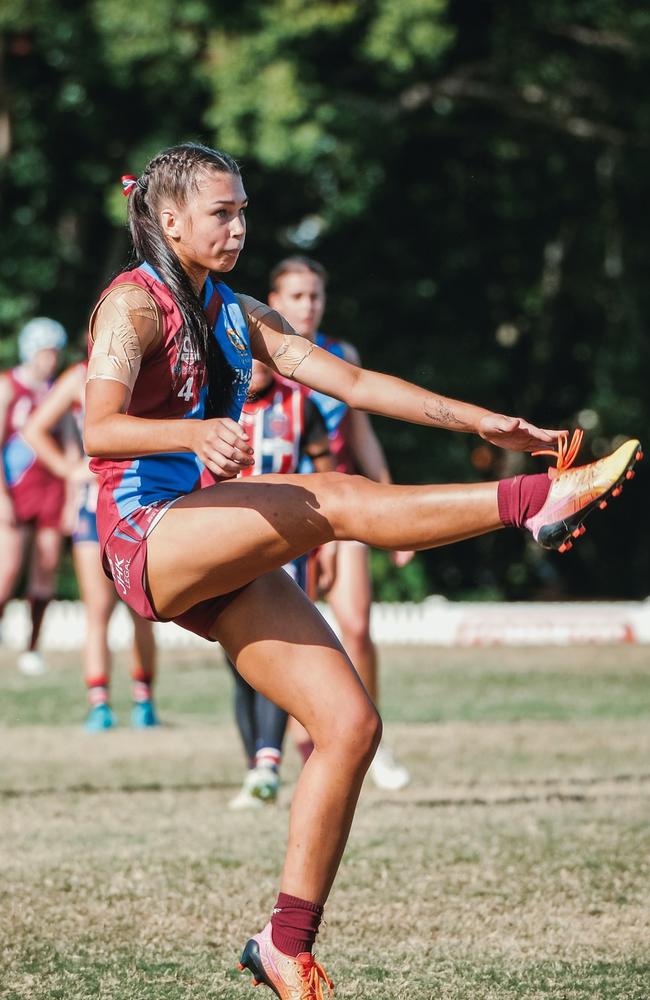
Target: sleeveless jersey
(275,423)
(171,384)
(335,413)
(18,458)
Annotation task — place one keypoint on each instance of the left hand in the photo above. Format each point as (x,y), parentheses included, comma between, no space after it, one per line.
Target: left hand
(514,433)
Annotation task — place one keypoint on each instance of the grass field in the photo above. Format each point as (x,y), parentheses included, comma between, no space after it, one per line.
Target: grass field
(516,865)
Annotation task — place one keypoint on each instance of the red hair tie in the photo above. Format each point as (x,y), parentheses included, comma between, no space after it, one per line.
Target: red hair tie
(129,181)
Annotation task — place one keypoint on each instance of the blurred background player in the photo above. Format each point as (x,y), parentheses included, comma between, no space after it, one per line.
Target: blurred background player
(69,465)
(298,292)
(31,498)
(283,425)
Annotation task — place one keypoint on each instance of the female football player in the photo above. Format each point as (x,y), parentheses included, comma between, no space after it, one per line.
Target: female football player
(31,498)
(97,592)
(167,378)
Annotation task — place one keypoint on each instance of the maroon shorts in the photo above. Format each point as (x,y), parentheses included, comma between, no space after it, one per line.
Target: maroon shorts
(125,561)
(39,501)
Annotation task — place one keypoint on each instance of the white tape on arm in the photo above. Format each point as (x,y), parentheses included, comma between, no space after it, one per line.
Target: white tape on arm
(293,349)
(124,326)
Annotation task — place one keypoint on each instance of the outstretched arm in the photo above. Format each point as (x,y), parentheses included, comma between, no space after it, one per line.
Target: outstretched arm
(274,342)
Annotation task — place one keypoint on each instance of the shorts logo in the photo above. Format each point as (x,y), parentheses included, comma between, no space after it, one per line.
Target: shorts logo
(236,340)
(121,573)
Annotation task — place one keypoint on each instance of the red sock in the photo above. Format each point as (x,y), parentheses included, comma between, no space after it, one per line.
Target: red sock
(141,691)
(294,924)
(97,690)
(142,685)
(522,497)
(37,606)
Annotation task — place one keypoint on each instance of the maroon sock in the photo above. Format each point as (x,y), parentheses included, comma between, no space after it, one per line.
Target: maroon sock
(37,606)
(522,497)
(305,749)
(294,924)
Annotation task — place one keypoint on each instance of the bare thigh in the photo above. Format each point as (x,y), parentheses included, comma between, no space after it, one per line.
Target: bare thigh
(283,647)
(223,537)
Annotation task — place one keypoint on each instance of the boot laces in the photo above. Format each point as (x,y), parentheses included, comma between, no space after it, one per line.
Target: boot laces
(567,452)
(314,975)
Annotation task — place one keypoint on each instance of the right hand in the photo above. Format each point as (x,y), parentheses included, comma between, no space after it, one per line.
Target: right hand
(7,512)
(223,446)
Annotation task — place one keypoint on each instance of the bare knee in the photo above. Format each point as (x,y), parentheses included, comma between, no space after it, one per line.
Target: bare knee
(342,495)
(356,733)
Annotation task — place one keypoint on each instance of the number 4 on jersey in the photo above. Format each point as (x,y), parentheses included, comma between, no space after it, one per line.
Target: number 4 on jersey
(186,391)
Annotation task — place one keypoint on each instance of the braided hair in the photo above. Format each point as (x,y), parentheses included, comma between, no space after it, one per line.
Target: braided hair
(174,175)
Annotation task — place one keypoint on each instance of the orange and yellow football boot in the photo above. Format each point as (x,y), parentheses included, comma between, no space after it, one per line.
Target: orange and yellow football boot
(300,978)
(576,492)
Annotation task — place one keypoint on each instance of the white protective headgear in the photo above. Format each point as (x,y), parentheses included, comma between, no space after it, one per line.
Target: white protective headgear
(39,335)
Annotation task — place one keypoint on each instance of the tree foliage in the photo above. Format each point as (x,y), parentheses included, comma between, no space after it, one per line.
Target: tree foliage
(473,176)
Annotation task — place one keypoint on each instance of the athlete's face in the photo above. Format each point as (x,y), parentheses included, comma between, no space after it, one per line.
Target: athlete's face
(208,233)
(44,364)
(261,378)
(300,298)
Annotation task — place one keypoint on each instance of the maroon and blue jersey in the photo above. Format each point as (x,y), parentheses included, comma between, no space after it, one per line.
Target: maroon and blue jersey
(18,458)
(171,384)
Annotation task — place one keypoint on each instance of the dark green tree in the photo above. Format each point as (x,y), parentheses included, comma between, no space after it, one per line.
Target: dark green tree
(473,176)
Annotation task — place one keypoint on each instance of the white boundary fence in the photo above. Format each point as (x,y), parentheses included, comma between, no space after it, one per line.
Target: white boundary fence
(434,622)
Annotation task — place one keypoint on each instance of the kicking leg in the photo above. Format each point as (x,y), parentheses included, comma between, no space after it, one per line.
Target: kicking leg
(239,529)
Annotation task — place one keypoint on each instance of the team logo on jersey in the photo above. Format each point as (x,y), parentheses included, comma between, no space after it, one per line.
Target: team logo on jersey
(236,340)
(278,423)
(187,355)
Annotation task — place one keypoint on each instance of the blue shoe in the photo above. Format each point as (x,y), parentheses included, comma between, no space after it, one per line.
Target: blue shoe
(143,715)
(99,718)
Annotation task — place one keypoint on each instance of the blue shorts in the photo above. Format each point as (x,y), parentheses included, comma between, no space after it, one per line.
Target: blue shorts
(85,529)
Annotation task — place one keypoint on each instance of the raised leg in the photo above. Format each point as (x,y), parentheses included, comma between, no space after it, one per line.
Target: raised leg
(234,532)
